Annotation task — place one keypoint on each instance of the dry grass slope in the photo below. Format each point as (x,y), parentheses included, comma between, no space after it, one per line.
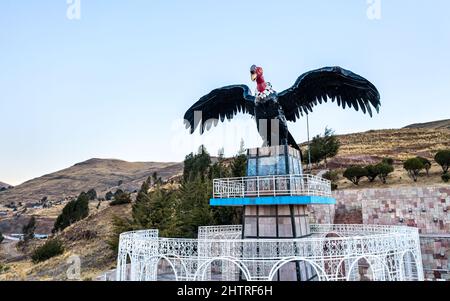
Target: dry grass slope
(86,239)
(401,144)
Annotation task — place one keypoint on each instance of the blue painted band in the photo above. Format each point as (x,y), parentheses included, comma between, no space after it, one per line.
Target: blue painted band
(274,200)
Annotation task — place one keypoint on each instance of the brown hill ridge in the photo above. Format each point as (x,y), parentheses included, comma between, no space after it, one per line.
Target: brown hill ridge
(100,174)
(440,124)
(400,144)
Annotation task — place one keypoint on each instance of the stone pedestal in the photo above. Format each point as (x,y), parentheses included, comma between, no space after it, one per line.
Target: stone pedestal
(277,221)
(274,221)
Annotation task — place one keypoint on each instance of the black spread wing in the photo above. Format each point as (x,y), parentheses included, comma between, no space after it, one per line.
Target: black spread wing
(220,104)
(340,85)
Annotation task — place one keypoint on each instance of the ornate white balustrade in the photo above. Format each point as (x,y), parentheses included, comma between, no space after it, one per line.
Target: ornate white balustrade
(220,232)
(279,185)
(333,253)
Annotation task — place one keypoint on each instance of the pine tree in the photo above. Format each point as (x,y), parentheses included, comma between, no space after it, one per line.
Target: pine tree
(120,225)
(28,229)
(239,166)
(92,194)
(219,170)
(161,210)
(194,209)
(231,215)
(324,147)
(81,207)
(331,144)
(109,195)
(140,210)
(74,211)
(154,209)
(197,165)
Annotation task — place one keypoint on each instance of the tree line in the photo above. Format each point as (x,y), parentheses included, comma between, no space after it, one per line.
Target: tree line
(413,167)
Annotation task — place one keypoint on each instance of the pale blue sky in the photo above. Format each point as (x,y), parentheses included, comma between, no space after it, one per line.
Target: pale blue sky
(112,84)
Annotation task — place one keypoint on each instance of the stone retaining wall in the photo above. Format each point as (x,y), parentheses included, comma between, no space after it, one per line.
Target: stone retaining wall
(436,256)
(427,208)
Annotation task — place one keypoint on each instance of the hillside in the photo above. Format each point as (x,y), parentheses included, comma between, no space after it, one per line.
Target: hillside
(87,239)
(100,174)
(440,124)
(399,144)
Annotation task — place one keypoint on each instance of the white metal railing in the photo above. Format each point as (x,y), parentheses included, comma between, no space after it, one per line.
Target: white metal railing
(335,252)
(278,185)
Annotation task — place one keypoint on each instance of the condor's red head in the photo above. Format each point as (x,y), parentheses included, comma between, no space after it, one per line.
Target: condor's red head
(257,74)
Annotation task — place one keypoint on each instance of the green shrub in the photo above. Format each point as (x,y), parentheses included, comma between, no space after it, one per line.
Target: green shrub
(91,194)
(3,268)
(426,164)
(413,166)
(372,172)
(389,161)
(121,198)
(118,192)
(383,170)
(443,159)
(446,177)
(355,173)
(51,248)
(109,195)
(331,175)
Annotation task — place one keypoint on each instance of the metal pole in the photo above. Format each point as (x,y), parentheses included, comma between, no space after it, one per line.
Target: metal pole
(309,145)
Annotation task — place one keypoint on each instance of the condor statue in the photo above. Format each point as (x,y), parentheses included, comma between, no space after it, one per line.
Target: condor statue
(272,110)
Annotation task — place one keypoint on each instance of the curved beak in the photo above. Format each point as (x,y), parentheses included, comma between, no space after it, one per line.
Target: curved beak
(253,76)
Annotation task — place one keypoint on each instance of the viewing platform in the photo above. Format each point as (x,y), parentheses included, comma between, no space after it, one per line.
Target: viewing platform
(297,189)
